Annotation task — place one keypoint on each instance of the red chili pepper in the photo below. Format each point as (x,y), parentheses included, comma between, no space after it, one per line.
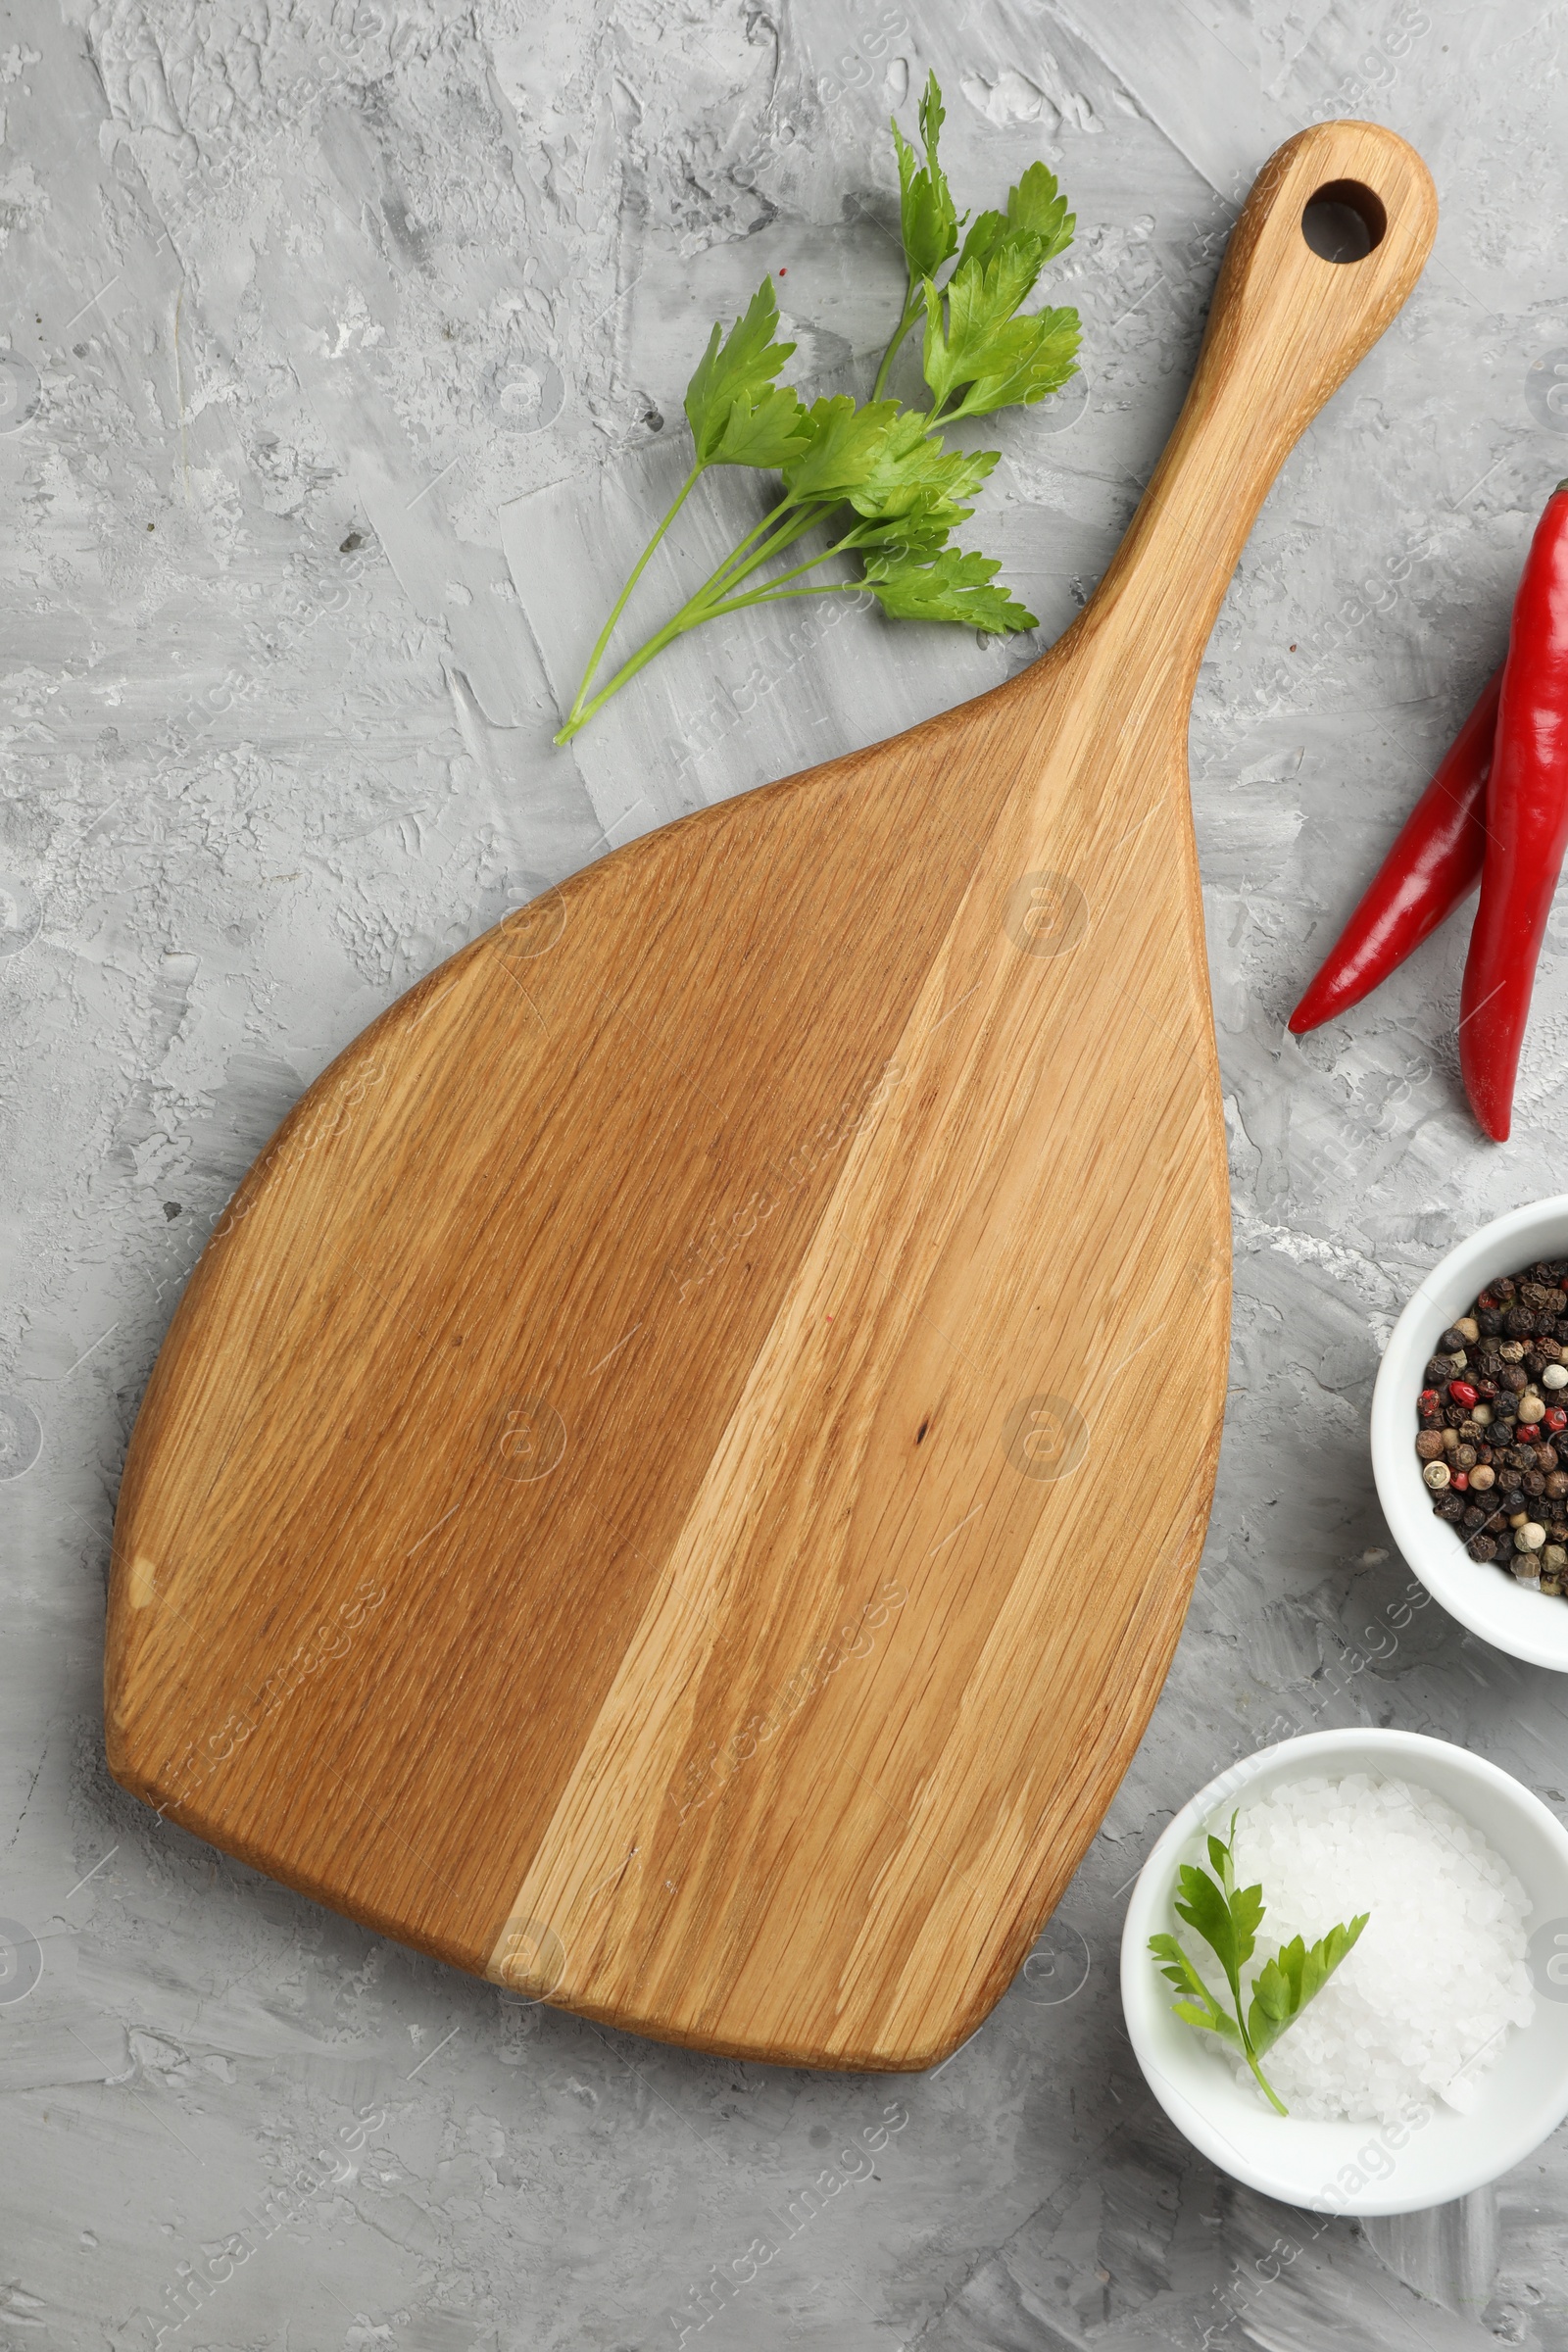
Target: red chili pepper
(1462,1393)
(1435,863)
(1527,827)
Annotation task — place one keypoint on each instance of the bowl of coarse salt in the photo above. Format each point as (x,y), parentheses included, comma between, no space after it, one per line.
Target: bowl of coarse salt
(1510,1615)
(1436,2056)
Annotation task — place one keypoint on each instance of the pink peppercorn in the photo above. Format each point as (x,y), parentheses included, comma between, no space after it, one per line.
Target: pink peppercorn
(1462,1393)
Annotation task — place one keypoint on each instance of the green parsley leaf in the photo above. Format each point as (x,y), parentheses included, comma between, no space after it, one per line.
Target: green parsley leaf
(1284,1986)
(1227,1917)
(1037,207)
(952,587)
(927,217)
(981,354)
(909,466)
(1040,359)
(913,538)
(985,233)
(842,446)
(1037,219)
(770,432)
(738,416)
(1201,2007)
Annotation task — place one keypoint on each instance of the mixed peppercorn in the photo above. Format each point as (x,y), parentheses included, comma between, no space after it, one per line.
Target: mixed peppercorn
(1493,1415)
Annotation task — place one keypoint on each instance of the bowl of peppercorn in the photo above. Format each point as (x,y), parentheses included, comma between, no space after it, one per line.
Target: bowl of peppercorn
(1470,1433)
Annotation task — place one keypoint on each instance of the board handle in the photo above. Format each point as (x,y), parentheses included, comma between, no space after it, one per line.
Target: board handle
(1286,328)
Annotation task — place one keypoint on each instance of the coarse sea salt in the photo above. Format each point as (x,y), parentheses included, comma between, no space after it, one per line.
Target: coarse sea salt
(1424,2003)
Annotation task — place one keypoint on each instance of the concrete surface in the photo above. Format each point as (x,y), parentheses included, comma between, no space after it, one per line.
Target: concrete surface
(345,346)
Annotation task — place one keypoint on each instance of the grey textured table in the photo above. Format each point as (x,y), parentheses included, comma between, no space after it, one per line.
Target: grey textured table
(346,347)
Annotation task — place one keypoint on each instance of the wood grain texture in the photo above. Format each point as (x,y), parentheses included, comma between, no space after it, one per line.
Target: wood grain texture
(630,1502)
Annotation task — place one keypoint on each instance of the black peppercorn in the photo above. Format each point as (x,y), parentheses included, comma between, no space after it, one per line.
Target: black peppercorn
(1491,1322)
(1482,1547)
(1449,1505)
(1474,1516)
(1451,1342)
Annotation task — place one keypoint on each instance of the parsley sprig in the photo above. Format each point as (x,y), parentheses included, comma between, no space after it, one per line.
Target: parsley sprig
(1228,1918)
(873,480)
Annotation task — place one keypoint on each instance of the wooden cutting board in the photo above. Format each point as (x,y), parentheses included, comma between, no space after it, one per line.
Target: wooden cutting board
(675,1483)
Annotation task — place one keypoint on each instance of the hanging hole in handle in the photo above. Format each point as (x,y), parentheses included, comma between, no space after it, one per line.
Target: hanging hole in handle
(1345,221)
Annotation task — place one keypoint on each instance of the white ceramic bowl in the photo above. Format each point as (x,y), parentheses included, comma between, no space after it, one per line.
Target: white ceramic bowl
(1362,2168)
(1490,1602)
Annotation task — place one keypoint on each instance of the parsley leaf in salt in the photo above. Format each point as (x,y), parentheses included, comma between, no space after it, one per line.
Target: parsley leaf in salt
(1228,1917)
(1285,1984)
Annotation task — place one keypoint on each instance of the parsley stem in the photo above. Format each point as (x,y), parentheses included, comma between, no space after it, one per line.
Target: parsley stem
(1265,2085)
(705,606)
(782,596)
(913,303)
(734,604)
(780,528)
(771,521)
(629,669)
(576,714)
